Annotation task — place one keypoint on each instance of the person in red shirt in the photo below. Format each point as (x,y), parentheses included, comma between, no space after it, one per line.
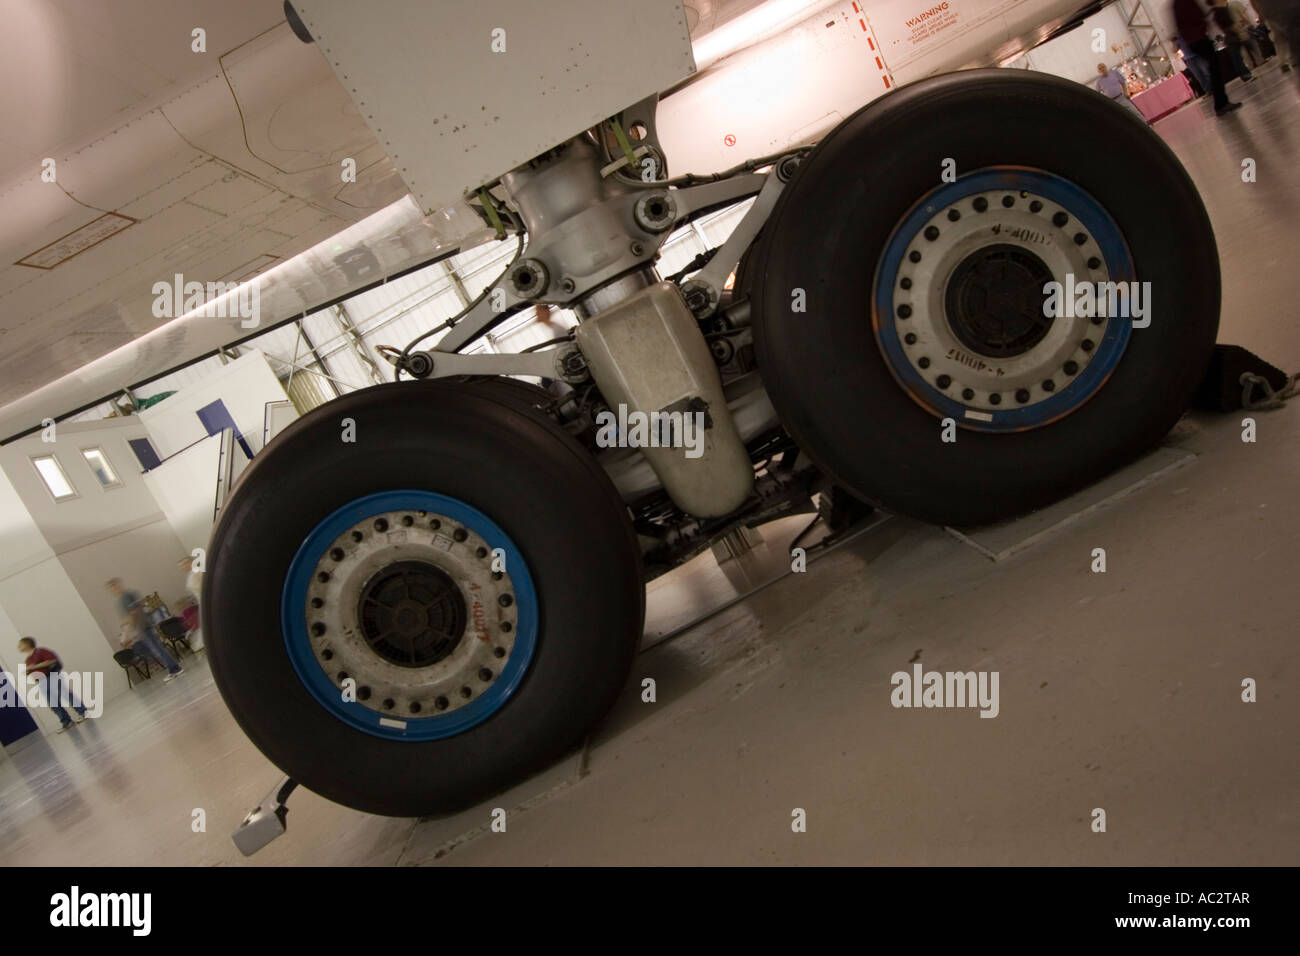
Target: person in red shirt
(42,662)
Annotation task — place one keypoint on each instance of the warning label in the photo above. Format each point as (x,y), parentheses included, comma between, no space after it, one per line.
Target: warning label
(930,22)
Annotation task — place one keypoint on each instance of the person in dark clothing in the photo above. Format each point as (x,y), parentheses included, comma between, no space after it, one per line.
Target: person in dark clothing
(1283,19)
(1233,34)
(45,665)
(1190,19)
(1197,67)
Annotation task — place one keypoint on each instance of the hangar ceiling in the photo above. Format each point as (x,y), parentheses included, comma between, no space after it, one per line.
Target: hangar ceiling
(212,164)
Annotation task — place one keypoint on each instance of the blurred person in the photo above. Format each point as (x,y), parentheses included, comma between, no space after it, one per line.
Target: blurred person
(193,592)
(138,633)
(1190,19)
(1234,33)
(45,666)
(1111,83)
(1196,66)
(1283,20)
(1246,30)
(1248,38)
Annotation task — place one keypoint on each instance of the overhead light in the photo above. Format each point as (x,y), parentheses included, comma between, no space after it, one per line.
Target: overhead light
(749,27)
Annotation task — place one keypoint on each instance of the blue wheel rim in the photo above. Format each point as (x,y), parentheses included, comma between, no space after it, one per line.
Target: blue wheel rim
(356,714)
(1111,247)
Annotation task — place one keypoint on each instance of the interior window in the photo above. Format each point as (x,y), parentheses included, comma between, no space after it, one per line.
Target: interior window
(56,480)
(98,463)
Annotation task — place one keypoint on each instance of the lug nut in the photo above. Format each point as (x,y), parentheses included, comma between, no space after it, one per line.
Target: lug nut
(904,311)
(484,674)
(1094,263)
(1087,345)
(954,215)
(318,628)
(442,703)
(381,525)
(460,534)
(905,283)
(1070,367)
(1008,201)
(981,204)
(931,233)
(505,600)
(1060,219)
(923,362)
(943,381)
(506,627)
(1080,238)
(1049,386)
(336,554)
(1035,206)
(995,399)
(914,255)
(1022,395)
(967,394)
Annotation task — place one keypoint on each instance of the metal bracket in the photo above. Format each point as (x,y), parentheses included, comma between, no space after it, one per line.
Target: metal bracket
(565,363)
(266,821)
(688,202)
(704,291)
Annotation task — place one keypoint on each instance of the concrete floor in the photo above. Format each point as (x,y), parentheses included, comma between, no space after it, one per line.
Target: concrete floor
(1118,690)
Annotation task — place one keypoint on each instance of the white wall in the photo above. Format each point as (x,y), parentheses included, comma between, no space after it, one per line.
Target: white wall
(42,603)
(185,486)
(245,386)
(24,545)
(145,558)
(103,532)
(96,512)
(39,599)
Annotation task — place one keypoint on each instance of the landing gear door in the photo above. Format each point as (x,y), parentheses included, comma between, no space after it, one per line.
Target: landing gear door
(460,91)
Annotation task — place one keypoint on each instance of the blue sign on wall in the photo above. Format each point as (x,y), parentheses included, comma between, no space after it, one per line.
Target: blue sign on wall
(15,721)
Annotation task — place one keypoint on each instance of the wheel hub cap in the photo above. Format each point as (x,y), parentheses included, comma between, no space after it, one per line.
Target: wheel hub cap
(409,615)
(412,613)
(995,300)
(960,309)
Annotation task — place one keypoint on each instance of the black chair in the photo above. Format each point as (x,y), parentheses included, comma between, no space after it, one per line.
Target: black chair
(130,660)
(173,632)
